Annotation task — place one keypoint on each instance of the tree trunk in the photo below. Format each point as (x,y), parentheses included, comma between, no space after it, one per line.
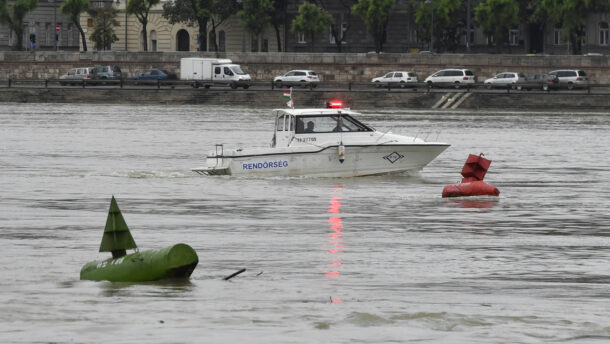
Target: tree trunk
(278,37)
(213,38)
(312,37)
(82,35)
(145,36)
(338,40)
(203,42)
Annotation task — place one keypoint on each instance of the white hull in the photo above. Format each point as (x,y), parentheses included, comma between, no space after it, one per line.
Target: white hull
(324,162)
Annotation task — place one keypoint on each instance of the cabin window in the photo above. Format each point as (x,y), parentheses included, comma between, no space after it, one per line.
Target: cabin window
(328,124)
(281,121)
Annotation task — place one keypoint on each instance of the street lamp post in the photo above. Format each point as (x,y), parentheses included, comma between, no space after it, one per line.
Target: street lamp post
(54,28)
(468,42)
(118,2)
(431,2)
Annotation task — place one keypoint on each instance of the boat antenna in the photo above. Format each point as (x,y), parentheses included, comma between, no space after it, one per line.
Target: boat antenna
(117,237)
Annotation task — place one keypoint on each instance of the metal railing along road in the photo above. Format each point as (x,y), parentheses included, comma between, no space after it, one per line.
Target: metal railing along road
(350,86)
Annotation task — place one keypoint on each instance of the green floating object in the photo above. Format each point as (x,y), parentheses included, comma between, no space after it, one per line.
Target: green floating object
(177,261)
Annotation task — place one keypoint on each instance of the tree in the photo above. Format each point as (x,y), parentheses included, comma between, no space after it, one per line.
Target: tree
(221,11)
(278,16)
(256,15)
(141,8)
(20,9)
(191,12)
(338,29)
(311,20)
(72,9)
(571,14)
(375,14)
(497,17)
(449,22)
(104,21)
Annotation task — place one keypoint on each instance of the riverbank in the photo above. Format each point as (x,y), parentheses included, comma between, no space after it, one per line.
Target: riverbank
(342,67)
(359,99)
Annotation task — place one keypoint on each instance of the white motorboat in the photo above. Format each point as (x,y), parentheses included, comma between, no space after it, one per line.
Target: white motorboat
(326,142)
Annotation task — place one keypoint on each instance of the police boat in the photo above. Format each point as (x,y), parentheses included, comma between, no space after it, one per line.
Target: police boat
(324,142)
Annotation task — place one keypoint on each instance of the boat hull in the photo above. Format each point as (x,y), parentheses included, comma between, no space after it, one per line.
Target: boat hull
(177,261)
(325,162)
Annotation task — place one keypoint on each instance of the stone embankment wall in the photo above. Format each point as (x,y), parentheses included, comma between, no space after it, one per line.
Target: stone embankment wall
(357,100)
(332,67)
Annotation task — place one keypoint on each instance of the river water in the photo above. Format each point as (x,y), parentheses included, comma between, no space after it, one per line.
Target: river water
(329,260)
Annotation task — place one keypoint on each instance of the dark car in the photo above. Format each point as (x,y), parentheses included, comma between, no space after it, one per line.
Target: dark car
(155,74)
(106,73)
(543,81)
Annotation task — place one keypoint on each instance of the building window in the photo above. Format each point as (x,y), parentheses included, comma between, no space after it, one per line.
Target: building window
(153,40)
(265,47)
(513,37)
(301,38)
(557,36)
(48,34)
(211,39)
(603,33)
(490,39)
(254,43)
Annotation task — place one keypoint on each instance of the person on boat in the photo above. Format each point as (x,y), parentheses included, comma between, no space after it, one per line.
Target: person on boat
(309,128)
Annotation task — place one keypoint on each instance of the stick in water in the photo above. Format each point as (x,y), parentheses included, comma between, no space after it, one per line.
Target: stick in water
(234,274)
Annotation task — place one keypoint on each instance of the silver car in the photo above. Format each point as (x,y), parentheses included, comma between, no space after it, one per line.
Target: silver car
(396,79)
(506,79)
(305,78)
(74,75)
(571,78)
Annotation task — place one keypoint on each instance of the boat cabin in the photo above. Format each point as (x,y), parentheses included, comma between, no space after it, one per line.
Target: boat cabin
(289,123)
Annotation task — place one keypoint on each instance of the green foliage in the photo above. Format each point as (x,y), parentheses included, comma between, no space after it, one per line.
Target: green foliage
(497,17)
(571,15)
(449,22)
(311,20)
(221,11)
(141,8)
(104,22)
(191,13)
(19,10)
(72,9)
(375,14)
(256,15)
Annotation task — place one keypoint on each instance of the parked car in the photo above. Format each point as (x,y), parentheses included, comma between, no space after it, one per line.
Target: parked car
(74,75)
(506,79)
(107,73)
(571,78)
(543,81)
(304,78)
(453,77)
(155,74)
(396,79)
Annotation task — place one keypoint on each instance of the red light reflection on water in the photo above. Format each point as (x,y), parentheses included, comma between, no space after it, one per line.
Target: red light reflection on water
(335,236)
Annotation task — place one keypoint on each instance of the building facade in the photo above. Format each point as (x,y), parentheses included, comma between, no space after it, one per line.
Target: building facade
(401,36)
(46,26)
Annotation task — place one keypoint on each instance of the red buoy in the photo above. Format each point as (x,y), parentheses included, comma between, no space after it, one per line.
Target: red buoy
(472,184)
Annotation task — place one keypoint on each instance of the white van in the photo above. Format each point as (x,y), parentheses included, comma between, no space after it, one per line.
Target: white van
(209,71)
(451,77)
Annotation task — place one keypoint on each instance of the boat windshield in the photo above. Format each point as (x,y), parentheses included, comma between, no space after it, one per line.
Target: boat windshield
(328,124)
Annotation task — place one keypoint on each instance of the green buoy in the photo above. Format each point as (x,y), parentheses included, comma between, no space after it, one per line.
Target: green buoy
(177,261)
